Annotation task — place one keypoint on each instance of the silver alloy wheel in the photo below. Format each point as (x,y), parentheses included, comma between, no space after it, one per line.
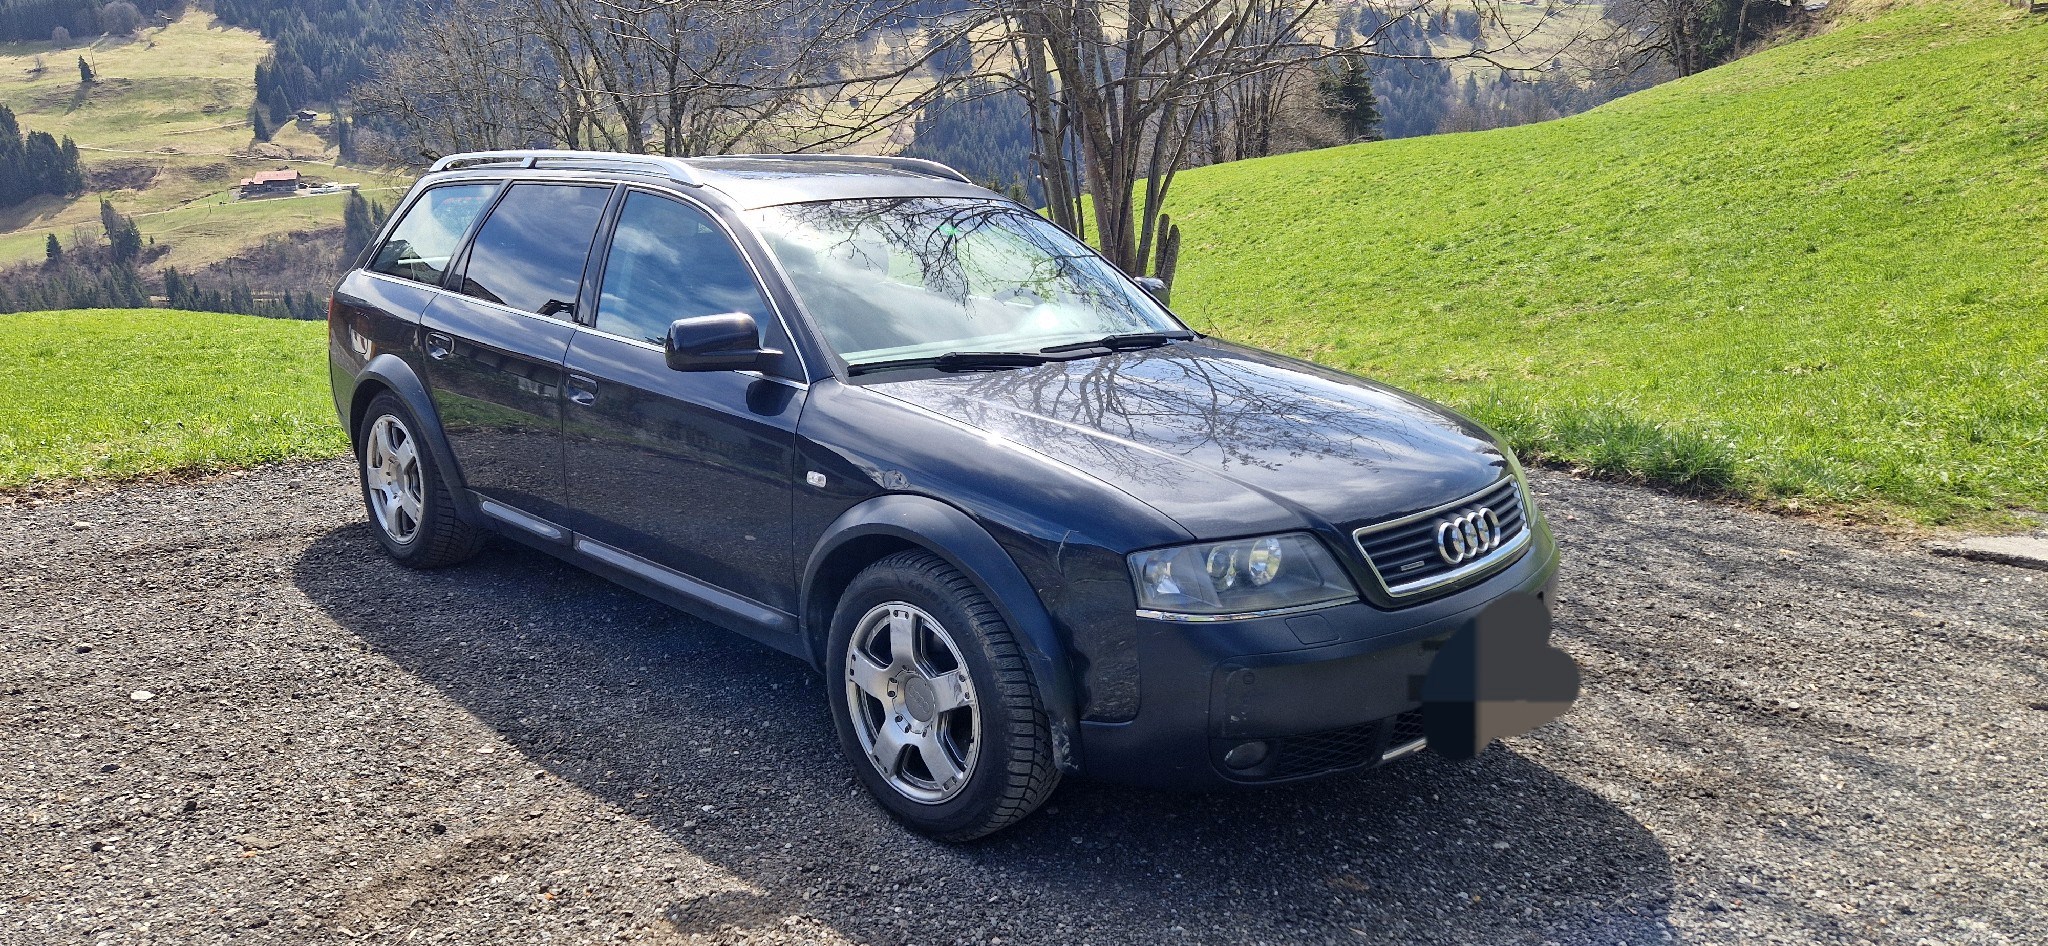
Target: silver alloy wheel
(391,473)
(912,703)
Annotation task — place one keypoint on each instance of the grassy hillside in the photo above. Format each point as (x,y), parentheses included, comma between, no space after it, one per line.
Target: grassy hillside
(164,134)
(122,393)
(1820,273)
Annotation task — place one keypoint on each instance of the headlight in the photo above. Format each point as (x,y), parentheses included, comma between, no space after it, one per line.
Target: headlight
(1214,579)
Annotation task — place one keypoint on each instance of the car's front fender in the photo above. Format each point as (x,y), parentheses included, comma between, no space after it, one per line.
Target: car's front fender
(895,520)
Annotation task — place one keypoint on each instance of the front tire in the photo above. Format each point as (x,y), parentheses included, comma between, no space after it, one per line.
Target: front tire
(410,507)
(934,704)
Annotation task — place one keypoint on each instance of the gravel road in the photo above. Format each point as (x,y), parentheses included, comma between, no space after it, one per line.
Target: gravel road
(228,718)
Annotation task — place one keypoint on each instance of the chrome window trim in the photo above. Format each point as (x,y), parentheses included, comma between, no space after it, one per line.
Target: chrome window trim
(1492,560)
(400,280)
(443,290)
(555,320)
(1179,617)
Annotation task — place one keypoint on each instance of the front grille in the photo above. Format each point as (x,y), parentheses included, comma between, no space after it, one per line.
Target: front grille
(1404,553)
(1326,751)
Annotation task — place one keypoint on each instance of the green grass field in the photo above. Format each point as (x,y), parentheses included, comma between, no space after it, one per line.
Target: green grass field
(1816,276)
(126,393)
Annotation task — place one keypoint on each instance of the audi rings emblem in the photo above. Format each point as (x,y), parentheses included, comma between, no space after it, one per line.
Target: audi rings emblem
(1467,535)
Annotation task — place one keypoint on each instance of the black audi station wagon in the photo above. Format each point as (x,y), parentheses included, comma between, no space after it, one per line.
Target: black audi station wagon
(1025,521)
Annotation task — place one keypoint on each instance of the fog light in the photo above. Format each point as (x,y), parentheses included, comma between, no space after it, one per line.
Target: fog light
(1245,755)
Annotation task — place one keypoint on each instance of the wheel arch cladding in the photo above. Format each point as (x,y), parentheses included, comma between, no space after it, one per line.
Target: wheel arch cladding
(885,525)
(387,373)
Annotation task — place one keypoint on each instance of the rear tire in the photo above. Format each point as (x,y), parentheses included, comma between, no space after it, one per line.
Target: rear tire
(934,703)
(410,507)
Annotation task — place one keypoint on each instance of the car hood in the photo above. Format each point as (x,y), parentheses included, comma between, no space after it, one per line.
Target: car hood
(1226,440)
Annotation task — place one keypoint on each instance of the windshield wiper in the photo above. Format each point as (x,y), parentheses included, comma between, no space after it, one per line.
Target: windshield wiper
(989,360)
(955,361)
(1128,341)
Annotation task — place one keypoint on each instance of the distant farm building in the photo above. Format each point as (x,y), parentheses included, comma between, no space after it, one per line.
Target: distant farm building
(271,184)
(306,116)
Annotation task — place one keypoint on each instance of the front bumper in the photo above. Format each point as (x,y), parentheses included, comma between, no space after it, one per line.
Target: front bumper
(1325,692)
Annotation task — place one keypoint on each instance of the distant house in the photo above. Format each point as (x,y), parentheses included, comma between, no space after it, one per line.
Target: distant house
(306,116)
(271,183)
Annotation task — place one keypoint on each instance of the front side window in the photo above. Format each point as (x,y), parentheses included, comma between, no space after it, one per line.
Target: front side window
(432,228)
(530,253)
(669,261)
(909,277)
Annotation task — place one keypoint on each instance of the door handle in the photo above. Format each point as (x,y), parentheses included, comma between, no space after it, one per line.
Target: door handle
(582,390)
(439,346)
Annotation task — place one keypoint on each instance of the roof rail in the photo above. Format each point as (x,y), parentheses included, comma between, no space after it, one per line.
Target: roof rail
(668,167)
(913,165)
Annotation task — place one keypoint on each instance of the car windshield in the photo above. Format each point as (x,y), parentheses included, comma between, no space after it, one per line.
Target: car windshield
(914,277)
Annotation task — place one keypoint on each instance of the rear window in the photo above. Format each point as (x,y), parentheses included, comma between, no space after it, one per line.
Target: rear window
(530,253)
(431,230)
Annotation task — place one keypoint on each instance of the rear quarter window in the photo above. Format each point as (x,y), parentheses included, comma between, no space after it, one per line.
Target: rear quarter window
(431,230)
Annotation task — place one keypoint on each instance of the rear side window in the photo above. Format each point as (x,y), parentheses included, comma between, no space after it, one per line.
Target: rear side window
(432,228)
(669,261)
(530,253)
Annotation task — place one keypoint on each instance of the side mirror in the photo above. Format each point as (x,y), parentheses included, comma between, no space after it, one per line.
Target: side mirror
(729,342)
(1154,285)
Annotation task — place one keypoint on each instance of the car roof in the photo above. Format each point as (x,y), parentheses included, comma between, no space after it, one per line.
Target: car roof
(751,180)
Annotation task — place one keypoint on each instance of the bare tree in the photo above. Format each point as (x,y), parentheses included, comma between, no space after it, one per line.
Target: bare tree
(1688,36)
(467,78)
(675,77)
(1122,89)
(1121,94)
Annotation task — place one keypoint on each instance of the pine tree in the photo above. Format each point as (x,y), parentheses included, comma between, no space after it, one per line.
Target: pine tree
(84,71)
(53,252)
(258,126)
(72,174)
(123,239)
(344,138)
(357,225)
(14,182)
(43,160)
(175,294)
(1348,95)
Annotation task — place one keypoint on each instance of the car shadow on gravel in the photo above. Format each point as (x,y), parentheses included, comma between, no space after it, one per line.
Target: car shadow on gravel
(726,748)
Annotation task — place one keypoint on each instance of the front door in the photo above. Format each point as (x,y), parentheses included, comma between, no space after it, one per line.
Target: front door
(494,353)
(690,471)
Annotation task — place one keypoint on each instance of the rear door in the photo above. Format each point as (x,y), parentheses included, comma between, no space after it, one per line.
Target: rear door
(689,471)
(378,306)
(494,352)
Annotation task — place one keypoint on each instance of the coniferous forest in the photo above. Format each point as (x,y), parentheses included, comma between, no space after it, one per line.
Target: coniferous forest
(36,165)
(324,47)
(25,20)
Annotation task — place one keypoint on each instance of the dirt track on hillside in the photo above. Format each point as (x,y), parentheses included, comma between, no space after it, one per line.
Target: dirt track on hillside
(228,718)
